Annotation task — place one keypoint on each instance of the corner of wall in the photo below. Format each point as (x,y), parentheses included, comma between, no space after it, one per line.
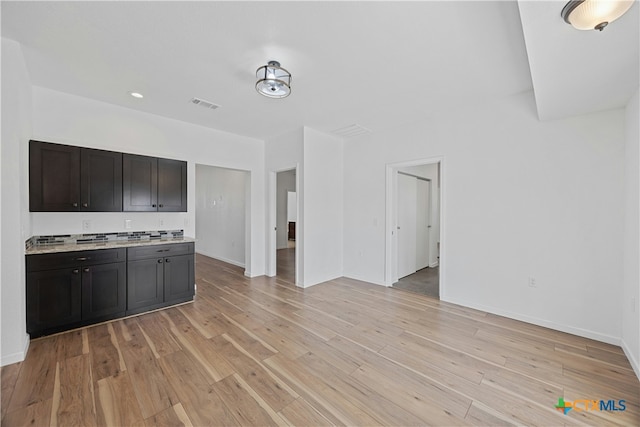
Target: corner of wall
(17,115)
(635,364)
(8,359)
(630,312)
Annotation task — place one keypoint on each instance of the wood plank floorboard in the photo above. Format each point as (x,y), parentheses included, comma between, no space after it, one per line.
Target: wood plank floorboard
(261,352)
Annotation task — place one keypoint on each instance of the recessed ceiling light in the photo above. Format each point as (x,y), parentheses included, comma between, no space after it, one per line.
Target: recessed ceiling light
(136,95)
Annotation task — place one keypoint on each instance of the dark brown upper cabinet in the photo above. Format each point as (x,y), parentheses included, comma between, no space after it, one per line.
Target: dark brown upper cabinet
(151,184)
(172,185)
(101,180)
(64,178)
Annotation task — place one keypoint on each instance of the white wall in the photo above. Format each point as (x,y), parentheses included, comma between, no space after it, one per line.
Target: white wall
(521,198)
(15,226)
(323,207)
(631,290)
(69,119)
(284,152)
(220,213)
(286,181)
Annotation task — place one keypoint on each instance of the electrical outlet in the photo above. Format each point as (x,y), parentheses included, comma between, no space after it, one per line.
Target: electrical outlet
(86,225)
(532,282)
(127,224)
(161,223)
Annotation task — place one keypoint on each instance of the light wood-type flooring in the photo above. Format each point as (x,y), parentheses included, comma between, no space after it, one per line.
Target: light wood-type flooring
(259,352)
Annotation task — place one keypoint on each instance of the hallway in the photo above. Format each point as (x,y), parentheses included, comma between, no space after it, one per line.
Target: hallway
(425,282)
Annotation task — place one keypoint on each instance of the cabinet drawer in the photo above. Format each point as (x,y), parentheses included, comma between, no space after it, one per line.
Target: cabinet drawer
(72,259)
(154,251)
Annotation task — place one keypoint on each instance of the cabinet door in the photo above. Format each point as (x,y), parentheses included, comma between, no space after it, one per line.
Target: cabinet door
(172,185)
(178,278)
(139,183)
(103,290)
(53,299)
(101,181)
(145,283)
(54,177)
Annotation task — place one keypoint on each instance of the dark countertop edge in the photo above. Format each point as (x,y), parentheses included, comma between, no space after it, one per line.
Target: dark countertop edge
(36,250)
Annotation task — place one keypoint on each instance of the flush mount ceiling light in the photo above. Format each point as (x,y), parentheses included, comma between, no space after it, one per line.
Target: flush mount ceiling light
(273,80)
(594,14)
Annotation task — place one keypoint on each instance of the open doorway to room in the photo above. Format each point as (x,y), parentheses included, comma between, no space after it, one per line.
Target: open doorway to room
(286,225)
(414,223)
(222,214)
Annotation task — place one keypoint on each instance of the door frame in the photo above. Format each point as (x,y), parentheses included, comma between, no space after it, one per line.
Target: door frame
(391,219)
(247,213)
(272,238)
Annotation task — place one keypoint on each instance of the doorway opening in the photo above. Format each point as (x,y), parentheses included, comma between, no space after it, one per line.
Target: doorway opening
(414,219)
(223,214)
(284,213)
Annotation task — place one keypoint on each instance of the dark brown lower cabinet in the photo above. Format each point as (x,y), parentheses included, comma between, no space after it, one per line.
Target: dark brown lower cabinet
(104,291)
(66,290)
(54,299)
(158,276)
(71,289)
(145,279)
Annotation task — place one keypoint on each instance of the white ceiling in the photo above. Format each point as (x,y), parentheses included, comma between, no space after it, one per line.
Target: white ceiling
(375,64)
(576,72)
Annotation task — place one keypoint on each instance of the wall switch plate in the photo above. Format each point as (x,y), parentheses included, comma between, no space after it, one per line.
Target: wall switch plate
(127,224)
(86,225)
(532,282)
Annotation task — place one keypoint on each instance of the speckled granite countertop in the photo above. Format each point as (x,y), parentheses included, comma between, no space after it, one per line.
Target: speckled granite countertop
(70,247)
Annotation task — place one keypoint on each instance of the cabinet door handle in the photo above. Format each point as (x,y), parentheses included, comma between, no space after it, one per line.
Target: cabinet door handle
(82,258)
(153,206)
(75,205)
(86,270)
(76,271)
(160,261)
(167,260)
(85,205)
(160,206)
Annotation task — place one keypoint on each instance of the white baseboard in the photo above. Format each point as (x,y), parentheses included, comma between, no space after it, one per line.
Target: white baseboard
(18,356)
(635,364)
(585,333)
(368,281)
(434,264)
(219,258)
(250,275)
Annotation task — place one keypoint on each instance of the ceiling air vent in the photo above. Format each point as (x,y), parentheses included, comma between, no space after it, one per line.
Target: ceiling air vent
(351,131)
(203,103)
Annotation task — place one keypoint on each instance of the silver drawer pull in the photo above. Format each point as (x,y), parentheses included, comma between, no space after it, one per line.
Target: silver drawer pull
(82,258)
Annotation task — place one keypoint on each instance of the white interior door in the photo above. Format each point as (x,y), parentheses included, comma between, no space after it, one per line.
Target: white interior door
(423,222)
(407,224)
(292,206)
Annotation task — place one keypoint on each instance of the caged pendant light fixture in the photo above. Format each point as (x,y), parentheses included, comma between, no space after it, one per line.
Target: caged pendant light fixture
(594,14)
(273,80)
